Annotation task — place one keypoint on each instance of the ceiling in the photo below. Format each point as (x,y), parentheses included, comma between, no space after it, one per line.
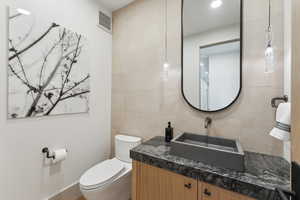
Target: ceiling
(115,4)
(200,17)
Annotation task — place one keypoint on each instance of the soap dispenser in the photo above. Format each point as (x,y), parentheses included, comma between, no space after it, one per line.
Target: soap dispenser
(169,133)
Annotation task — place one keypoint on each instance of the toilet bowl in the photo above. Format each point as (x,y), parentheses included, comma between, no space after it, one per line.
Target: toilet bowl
(111,179)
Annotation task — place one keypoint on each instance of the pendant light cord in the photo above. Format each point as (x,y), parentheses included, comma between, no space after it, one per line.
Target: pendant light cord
(166,30)
(269,27)
(269,30)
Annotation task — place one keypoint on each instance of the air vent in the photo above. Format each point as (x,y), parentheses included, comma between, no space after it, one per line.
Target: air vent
(105,22)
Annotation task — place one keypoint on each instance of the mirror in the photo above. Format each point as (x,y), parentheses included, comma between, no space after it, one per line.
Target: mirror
(211,53)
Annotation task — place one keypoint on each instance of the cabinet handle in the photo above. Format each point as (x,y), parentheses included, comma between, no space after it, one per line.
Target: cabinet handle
(206,192)
(188,186)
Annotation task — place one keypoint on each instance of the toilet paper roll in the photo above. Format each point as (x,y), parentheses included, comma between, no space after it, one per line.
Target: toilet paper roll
(60,155)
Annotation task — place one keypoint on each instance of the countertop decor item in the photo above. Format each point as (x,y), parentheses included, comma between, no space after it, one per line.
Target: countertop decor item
(169,133)
(262,175)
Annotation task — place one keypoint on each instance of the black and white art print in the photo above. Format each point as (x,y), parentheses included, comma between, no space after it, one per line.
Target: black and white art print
(48,68)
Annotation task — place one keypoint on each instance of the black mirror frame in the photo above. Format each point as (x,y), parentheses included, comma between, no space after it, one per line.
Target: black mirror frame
(241,61)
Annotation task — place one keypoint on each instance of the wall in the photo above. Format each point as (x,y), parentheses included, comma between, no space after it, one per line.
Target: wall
(287,62)
(192,57)
(142,103)
(87,136)
(287,46)
(295,82)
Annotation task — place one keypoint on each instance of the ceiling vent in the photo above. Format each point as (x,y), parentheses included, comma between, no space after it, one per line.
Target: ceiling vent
(105,22)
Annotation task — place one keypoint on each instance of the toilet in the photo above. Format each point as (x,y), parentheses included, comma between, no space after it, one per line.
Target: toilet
(111,179)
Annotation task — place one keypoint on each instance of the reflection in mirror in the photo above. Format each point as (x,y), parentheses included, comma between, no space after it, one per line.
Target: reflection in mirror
(211,71)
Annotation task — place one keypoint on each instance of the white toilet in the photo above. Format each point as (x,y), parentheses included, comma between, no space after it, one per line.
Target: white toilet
(111,179)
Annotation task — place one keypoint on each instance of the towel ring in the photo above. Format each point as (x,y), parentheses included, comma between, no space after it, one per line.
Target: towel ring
(285,98)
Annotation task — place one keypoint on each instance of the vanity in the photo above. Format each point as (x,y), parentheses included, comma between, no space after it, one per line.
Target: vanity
(159,175)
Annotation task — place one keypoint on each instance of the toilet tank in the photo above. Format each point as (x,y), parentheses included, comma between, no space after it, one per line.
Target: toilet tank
(123,144)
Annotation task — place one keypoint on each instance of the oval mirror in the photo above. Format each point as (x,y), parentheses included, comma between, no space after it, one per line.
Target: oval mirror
(211,53)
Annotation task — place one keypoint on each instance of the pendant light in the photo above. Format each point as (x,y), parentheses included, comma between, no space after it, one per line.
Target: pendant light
(23,11)
(166,64)
(216,3)
(269,52)
(20,12)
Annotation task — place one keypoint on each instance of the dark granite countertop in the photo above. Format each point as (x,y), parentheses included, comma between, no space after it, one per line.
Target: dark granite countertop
(263,173)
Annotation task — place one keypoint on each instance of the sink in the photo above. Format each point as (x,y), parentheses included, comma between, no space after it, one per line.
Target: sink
(214,151)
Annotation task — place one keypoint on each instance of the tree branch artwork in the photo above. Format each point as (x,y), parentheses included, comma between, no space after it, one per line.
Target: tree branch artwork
(47,71)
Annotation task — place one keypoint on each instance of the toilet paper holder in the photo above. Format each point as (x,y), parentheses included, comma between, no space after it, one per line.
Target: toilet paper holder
(47,152)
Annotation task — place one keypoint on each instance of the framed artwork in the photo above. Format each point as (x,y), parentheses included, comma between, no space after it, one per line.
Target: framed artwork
(48,68)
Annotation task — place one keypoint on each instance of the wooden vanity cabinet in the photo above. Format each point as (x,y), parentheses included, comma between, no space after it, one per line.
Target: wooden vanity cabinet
(152,183)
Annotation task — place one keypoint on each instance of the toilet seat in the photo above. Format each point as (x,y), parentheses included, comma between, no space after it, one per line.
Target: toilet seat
(101,174)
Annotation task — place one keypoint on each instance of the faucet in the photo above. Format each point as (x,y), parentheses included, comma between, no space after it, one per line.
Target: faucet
(207,122)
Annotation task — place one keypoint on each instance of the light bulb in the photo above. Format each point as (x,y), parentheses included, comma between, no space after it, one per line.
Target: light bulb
(166,66)
(269,58)
(216,3)
(269,51)
(23,11)
(165,73)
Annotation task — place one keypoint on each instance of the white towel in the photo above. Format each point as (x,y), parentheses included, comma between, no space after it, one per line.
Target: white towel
(282,129)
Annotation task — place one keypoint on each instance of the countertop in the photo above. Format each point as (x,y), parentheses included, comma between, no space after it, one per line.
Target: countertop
(263,173)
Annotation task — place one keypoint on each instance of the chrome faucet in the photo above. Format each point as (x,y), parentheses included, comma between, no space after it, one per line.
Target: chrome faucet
(207,122)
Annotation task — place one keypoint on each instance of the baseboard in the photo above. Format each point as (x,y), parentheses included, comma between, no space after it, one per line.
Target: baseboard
(71,192)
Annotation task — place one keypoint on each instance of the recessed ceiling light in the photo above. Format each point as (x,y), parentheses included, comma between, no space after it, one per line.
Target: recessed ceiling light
(23,11)
(216,3)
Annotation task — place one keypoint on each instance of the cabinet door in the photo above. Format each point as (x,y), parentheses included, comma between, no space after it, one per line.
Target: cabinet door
(152,183)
